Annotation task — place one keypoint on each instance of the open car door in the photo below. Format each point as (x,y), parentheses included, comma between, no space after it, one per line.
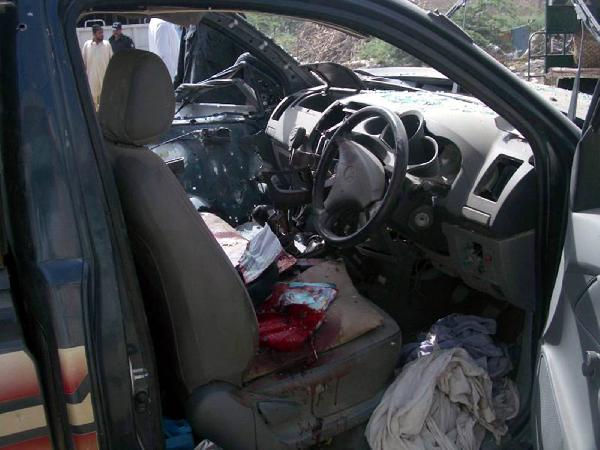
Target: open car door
(566,400)
(23,408)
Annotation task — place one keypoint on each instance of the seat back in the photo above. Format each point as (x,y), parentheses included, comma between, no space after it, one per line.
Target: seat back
(201,317)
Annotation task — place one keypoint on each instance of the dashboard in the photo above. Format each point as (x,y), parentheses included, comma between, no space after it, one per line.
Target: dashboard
(472,201)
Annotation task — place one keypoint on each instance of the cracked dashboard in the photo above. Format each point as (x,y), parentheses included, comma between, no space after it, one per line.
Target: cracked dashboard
(474,217)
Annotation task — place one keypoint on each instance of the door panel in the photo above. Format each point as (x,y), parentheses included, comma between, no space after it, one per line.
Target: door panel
(23,421)
(565,399)
(587,311)
(566,404)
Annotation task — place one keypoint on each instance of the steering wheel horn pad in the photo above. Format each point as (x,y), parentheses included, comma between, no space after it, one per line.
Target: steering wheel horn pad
(362,182)
(359,178)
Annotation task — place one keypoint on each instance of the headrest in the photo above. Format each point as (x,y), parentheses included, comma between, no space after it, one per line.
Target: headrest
(137,102)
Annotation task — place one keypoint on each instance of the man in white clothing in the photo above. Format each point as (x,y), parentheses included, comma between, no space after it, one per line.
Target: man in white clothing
(96,55)
(164,39)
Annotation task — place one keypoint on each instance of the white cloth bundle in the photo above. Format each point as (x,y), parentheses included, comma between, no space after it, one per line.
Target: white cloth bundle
(442,401)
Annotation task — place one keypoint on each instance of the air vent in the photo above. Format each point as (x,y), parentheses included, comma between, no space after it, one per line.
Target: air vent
(497,177)
(282,107)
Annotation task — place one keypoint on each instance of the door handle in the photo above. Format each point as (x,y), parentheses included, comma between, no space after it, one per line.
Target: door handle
(591,364)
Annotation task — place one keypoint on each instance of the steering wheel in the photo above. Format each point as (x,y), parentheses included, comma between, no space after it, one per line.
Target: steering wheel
(357,187)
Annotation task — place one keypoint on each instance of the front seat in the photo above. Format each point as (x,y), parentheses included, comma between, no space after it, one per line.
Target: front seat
(201,317)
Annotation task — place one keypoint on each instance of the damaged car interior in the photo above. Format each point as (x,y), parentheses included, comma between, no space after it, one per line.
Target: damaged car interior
(396,220)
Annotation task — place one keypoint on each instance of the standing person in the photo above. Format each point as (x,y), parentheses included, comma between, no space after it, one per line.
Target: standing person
(118,40)
(96,55)
(163,39)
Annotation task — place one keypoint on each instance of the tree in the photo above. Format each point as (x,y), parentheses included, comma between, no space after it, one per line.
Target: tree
(489,22)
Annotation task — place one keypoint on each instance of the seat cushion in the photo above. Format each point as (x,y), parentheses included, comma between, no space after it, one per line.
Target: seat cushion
(349,316)
(200,316)
(194,297)
(296,400)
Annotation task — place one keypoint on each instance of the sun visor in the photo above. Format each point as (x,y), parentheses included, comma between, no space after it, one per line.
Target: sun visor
(179,16)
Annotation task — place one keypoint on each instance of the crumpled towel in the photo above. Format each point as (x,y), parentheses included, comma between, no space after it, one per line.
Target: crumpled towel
(442,401)
(473,333)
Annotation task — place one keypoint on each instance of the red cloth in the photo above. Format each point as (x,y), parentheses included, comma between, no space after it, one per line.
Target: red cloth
(293,313)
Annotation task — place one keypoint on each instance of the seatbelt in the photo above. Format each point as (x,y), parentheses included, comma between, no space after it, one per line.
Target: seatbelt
(576,83)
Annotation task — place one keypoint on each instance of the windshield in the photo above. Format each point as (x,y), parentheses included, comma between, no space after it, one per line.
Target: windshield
(309,42)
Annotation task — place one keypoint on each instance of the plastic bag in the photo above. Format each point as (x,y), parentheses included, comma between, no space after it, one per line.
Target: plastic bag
(262,251)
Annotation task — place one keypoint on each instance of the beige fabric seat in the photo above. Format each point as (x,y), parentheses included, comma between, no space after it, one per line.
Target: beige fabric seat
(349,317)
(200,315)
